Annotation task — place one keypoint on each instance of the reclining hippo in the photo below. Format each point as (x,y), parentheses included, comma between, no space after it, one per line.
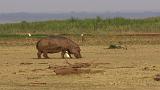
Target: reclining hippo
(55,44)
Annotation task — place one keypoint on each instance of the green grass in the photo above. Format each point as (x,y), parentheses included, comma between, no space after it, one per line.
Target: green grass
(89,26)
(22,36)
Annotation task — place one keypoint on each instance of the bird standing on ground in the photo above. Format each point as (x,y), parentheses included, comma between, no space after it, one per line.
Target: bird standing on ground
(66,54)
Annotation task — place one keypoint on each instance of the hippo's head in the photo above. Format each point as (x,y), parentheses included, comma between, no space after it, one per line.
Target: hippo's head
(76,52)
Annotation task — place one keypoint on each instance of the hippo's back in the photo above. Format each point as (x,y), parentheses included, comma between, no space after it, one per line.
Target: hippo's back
(63,40)
(54,42)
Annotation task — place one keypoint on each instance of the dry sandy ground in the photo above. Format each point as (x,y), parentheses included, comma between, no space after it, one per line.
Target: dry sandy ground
(119,69)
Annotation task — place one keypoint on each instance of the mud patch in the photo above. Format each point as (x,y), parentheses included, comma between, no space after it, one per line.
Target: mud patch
(76,68)
(31,78)
(37,83)
(70,70)
(94,65)
(157,77)
(27,63)
(42,63)
(36,70)
(150,68)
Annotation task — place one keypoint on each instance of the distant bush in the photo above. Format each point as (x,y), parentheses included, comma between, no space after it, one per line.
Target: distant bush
(77,26)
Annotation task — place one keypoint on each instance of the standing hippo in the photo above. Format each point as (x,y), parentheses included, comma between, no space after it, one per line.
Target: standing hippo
(55,44)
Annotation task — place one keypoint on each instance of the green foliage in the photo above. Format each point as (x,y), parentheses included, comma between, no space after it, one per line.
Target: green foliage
(78,26)
(22,36)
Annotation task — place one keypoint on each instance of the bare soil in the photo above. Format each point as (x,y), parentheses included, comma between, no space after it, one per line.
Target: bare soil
(110,69)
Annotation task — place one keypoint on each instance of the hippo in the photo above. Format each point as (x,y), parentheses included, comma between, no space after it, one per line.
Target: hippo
(56,44)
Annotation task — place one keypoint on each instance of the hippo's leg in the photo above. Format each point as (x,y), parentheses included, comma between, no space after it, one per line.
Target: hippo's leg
(62,54)
(39,54)
(45,55)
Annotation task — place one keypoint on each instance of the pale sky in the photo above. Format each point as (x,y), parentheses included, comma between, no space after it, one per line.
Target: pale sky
(52,6)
